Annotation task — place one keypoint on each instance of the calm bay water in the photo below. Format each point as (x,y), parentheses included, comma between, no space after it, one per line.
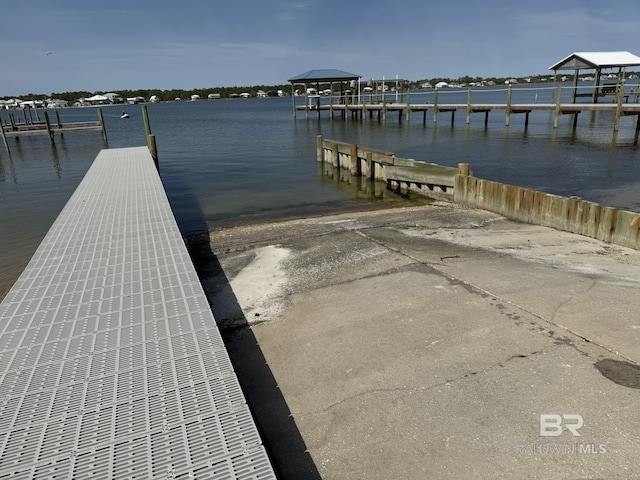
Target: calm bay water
(238,159)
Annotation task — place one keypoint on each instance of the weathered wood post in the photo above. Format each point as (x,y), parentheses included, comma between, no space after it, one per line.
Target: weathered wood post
(619,96)
(370,166)
(557,110)
(463,169)
(48,125)
(153,149)
(319,149)
(145,120)
(384,104)
(151,139)
(101,120)
(4,138)
(435,106)
(508,119)
(469,106)
(59,123)
(331,102)
(293,100)
(355,161)
(408,106)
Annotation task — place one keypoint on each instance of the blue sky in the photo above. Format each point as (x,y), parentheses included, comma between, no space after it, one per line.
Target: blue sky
(67,45)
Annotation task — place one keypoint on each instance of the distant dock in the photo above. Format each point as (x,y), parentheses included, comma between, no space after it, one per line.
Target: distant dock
(28,126)
(624,103)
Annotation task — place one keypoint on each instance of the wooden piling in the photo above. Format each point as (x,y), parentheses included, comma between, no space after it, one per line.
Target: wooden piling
(435,106)
(557,109)
(4,138)
(355,162)
(616,123)
(319,149)
(469,105)
(145,120)
(151,139)
(101,119)
(508,109)
(48,125)
(153,149)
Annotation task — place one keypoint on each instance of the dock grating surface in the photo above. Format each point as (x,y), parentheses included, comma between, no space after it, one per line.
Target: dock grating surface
(111,363)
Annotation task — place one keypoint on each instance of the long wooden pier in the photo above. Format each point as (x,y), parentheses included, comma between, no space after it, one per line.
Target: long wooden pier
(111,363)
(624,103)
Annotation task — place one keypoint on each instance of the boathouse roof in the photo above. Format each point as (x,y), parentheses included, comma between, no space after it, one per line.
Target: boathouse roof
(596,60)
(324,75)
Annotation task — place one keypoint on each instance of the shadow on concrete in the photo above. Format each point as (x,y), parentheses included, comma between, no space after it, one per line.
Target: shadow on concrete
(279,432)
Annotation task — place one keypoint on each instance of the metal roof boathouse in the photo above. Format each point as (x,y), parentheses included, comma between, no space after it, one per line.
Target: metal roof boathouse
(598,61)
(313,78)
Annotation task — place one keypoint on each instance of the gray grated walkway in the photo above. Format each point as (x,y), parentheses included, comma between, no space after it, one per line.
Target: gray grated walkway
(111,363)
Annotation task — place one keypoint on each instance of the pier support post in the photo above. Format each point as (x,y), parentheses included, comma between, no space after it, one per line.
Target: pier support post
(153,150)
(319,149)
(4,138)
(145,121)
(619,95)
(384,104)
(151,139)
(508,109)
(48,125)
(469,106)
(101,119)
(557,110)
(435,106)
(408,108)
(355,161)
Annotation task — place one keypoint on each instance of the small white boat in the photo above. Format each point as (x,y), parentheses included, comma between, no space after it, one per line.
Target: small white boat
(124,115)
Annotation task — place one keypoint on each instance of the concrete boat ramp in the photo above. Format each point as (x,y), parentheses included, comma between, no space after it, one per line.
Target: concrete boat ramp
(432,342)
(111,364)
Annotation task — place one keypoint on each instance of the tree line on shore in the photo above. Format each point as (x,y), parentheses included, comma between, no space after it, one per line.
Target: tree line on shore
(272,90)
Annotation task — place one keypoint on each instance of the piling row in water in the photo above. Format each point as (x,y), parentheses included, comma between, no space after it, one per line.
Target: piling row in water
(620,107)
(45,127)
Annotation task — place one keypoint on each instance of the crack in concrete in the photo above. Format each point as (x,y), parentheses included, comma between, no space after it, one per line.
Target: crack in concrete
(476,289)
(422,389)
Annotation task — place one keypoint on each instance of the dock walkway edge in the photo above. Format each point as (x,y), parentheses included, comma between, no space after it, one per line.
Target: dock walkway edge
(111,363)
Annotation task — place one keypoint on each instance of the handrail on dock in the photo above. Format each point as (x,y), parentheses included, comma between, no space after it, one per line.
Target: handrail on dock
(111,363)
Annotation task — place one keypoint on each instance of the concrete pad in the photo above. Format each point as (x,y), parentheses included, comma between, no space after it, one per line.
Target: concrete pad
(429,342)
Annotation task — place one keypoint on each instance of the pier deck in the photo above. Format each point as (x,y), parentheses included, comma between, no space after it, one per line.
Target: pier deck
(111,363)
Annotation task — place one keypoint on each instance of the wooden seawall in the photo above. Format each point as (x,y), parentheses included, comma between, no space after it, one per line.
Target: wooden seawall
(111,363)
(571,214)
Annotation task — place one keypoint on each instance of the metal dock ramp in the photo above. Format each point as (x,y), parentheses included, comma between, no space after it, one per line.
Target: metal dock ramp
(111,363)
